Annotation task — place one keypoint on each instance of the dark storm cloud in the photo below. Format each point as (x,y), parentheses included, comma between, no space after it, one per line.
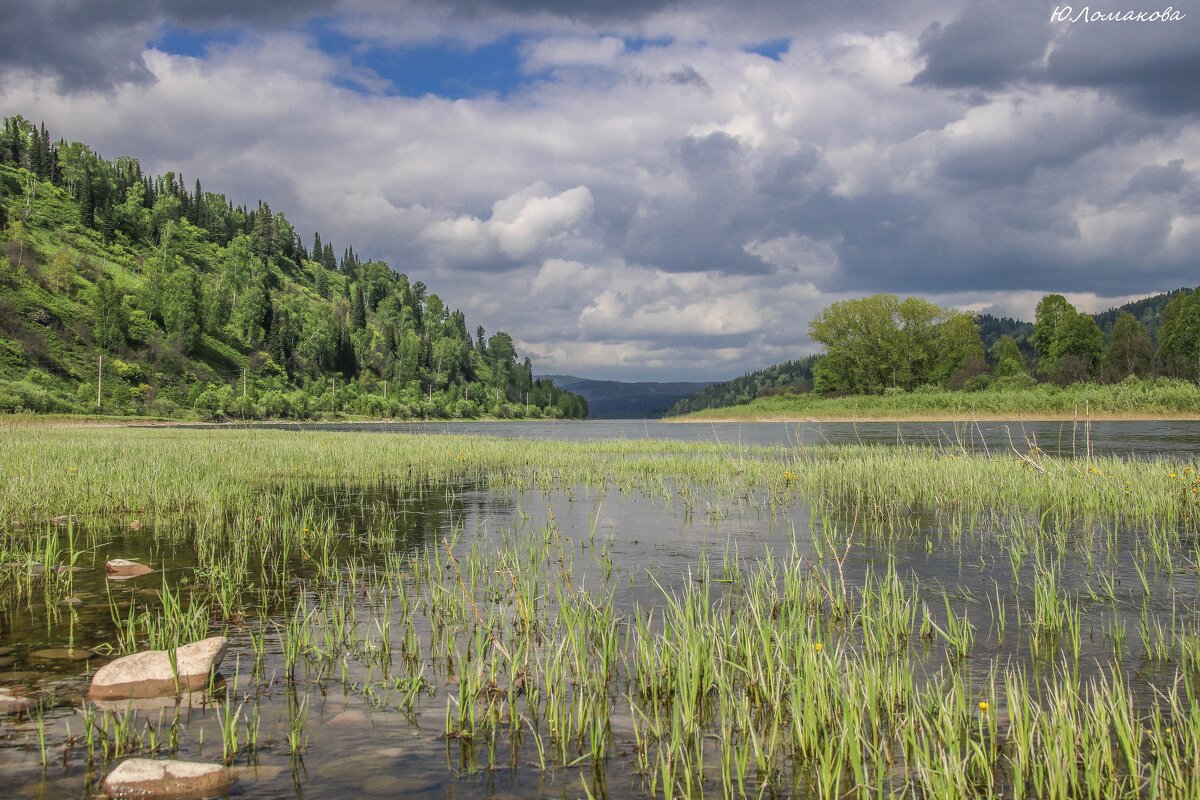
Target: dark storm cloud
(90,44)
(99,43)
(1155,67)
(987,46)
(1169,178)
(990,46)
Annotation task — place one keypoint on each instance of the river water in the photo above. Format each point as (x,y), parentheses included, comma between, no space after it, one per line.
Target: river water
(1167,439)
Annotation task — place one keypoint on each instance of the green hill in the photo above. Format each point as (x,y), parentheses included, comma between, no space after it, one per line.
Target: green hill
(125,293)
(795,376)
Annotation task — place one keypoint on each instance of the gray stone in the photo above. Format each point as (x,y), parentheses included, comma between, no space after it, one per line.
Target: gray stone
(150,674)
(173,780)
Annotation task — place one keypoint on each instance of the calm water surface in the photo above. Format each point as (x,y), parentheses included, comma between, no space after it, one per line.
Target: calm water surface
(1173,439)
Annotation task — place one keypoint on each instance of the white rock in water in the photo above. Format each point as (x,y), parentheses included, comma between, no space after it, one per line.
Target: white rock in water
(12,703)
(124,568)
(177,780)
(149,674)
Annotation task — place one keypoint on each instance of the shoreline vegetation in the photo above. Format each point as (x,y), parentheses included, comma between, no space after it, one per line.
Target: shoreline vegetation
(513,641)
(1132,399)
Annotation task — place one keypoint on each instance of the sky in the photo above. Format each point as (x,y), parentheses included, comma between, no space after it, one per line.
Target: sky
(653,190)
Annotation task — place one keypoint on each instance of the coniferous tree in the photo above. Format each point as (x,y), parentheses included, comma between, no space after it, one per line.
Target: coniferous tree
(265,246)
(87,208)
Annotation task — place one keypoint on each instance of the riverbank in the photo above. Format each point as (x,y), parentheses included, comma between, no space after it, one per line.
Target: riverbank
(1130,400)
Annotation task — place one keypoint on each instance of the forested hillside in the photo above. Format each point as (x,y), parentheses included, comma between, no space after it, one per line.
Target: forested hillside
(882,344)
(127,293)
(793,376)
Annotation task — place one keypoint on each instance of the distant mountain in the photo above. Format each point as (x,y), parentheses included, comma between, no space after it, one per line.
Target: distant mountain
(626,400)
(794,375)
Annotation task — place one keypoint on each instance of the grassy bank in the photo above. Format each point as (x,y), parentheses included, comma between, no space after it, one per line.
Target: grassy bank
(1131,399)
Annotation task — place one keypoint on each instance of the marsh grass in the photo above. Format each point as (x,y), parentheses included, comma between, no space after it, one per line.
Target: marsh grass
(801,670)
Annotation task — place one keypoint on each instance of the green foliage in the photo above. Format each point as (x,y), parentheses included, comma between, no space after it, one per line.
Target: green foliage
(181,308)
(790,376)
(97,257)
(877,342)
(1069,344)
(1179,348)
(1019,395)
(1129,350)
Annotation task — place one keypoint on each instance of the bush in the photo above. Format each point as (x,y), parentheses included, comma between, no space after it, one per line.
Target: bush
(1022,381)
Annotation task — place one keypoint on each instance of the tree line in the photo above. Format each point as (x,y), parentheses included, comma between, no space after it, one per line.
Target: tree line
(198,293)
(881,343)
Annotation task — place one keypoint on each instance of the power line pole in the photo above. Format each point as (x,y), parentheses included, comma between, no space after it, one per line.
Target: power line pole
(243,383)
(385,393)
(99,373)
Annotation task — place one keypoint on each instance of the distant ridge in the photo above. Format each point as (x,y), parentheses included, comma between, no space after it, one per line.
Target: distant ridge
(625,399)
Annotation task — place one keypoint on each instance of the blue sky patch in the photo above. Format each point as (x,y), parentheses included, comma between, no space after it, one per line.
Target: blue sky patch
(446,69)
(187,42)
(773,49)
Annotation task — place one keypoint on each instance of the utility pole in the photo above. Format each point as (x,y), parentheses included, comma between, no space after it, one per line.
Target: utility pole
(99,373)
(385,389)
(243,383)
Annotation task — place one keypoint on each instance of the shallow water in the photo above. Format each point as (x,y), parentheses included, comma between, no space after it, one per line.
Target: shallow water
(1174,439)
(636,549)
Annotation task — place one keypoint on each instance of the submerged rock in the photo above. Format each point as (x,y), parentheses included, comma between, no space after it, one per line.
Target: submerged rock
(178,780)
(150,674)
(12,703)
(124,568)
(63,654)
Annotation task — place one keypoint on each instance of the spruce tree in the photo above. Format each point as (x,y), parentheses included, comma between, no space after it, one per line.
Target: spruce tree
(359,314)
(87,209)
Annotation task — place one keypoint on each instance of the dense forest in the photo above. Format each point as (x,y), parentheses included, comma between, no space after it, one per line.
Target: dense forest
(128,293)
(884,345)
(793,376)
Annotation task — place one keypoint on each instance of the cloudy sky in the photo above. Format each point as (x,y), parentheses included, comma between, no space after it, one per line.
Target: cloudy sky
(641,189)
